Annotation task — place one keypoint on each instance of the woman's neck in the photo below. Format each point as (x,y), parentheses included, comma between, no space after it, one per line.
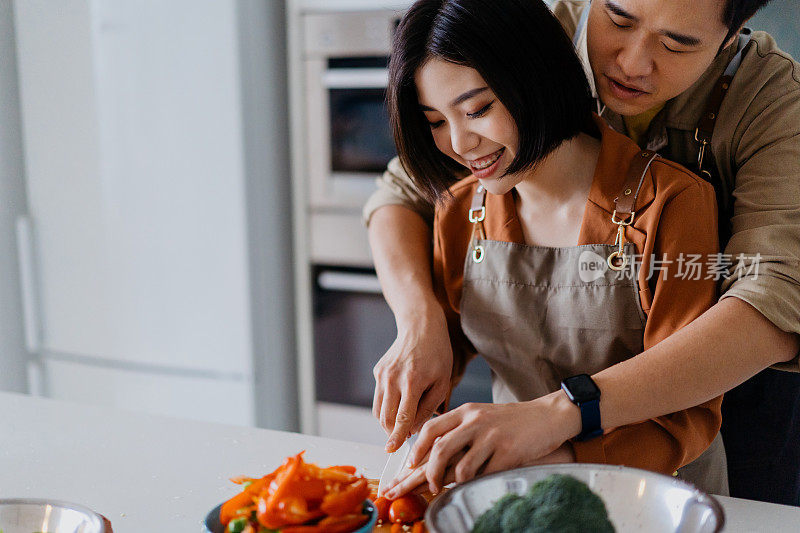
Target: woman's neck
(563,176)
(551,200)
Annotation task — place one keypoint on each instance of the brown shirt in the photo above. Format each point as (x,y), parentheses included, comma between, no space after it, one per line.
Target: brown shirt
(669,199)
(755,149)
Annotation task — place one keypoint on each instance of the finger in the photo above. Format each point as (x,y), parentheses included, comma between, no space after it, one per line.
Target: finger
(405,415)
(432,399)
(377,400)
(442,454)
(469,465)
(431,430)
(391,399)
(414,479)
(498,463)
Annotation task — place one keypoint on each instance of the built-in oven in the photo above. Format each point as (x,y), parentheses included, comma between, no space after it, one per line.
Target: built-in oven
(353,328)
(346,72)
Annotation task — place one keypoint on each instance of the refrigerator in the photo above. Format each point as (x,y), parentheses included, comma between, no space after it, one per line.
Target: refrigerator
(155,248)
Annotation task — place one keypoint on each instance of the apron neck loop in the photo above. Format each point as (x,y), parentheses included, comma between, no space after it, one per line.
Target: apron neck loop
(625,205)
(476,215)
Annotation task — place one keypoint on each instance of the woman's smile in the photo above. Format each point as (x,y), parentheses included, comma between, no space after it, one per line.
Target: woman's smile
(486,166)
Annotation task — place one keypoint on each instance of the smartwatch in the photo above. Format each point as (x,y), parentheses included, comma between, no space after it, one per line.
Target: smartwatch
(583,392)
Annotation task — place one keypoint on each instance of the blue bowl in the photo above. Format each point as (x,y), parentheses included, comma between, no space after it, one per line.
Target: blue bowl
(212,525)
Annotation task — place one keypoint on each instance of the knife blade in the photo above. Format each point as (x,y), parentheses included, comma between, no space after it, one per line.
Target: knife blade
(395,463)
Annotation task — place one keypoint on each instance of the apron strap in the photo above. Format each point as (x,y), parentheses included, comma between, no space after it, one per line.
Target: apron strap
(477,212)
(625,202)
(625,205)
(705,126)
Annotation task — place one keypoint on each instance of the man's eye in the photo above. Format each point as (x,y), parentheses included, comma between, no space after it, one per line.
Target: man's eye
(618,25)
(674,51)
(482,111)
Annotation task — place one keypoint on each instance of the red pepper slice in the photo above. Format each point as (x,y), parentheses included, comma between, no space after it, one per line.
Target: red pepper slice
(345,501)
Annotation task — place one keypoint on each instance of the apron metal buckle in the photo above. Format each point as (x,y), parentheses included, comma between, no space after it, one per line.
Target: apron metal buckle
(478,253)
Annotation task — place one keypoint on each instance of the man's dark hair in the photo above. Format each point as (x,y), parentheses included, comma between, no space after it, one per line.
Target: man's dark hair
(736,12)
(523,54)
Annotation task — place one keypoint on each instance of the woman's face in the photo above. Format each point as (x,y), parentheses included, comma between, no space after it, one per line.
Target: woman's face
(468,122)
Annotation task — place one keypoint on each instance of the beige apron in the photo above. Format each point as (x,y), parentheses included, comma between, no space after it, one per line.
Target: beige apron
(540,314)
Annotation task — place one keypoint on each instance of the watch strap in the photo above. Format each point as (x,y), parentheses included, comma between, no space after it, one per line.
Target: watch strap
(590,420)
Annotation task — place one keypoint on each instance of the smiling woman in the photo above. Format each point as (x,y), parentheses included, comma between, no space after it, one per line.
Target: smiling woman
(505,69)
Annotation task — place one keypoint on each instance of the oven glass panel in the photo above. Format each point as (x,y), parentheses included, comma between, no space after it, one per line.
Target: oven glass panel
(352,330)
(361,140)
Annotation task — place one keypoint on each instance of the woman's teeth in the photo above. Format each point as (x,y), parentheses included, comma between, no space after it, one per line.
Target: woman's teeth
(486,162)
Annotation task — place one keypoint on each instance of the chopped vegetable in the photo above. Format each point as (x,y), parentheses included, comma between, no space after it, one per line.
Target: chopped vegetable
(298,497)
(407,509)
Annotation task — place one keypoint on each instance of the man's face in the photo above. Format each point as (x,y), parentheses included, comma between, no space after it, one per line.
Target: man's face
(644,52)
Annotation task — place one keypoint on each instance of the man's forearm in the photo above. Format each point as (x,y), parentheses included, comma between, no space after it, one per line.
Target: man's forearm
(722,348)
(401,248)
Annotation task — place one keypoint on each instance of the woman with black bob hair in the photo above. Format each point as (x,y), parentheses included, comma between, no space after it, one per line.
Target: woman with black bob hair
(551,276)
(539,80)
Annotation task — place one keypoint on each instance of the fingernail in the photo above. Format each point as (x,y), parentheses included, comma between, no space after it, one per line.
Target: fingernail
(390,446)
(389,495)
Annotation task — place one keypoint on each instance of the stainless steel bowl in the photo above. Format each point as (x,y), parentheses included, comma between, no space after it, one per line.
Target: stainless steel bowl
(24,515)
(636,500)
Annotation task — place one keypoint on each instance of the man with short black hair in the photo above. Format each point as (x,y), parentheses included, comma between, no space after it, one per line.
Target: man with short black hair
(680,78)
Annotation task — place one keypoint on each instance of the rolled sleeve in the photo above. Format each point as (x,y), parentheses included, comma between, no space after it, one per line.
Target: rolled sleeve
(395,187)
(765,244)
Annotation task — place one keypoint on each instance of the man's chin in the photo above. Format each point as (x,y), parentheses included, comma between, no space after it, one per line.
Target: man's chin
(628,107)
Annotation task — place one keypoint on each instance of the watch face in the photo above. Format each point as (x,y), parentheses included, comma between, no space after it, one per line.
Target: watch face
(582,388)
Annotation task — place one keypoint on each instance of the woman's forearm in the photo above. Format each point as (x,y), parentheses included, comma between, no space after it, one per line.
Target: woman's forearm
(722,348)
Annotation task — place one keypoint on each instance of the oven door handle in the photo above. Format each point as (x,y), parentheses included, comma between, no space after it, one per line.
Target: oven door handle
(356,78)
(333,280)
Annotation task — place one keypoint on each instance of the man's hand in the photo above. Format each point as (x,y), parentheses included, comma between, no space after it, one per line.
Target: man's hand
(413,377)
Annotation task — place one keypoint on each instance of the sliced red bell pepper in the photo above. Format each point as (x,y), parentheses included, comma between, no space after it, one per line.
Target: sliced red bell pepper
(345,501)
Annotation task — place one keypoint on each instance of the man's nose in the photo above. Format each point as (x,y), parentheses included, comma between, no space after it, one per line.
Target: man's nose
(635,60)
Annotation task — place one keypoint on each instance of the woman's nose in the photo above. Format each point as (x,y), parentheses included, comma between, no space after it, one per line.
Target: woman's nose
(463,140)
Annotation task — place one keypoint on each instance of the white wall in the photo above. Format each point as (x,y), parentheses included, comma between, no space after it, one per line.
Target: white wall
(12,204)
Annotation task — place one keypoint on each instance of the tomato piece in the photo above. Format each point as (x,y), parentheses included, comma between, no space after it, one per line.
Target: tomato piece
(407,509)
(382,506)
(419,527)
(346,500)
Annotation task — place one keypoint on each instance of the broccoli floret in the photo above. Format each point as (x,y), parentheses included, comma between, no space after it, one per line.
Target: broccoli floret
(491,520)
(557,504)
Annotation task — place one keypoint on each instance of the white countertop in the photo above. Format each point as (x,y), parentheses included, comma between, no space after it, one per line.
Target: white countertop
(150,473)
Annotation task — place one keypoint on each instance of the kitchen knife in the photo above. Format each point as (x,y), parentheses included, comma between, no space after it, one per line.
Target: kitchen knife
(395,463)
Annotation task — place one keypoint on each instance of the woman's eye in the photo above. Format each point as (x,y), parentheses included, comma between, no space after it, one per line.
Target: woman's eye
(482,111)
(435,124)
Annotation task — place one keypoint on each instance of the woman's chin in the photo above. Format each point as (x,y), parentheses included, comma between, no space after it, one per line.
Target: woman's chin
(496,186)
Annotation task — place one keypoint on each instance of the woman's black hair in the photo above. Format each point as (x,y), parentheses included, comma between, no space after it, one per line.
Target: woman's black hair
(523,54)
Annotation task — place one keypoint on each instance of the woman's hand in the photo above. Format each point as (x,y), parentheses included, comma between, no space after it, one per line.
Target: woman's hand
(413,377)
(483,438)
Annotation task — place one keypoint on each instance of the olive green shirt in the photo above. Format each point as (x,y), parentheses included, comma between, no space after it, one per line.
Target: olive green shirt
(755,150)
